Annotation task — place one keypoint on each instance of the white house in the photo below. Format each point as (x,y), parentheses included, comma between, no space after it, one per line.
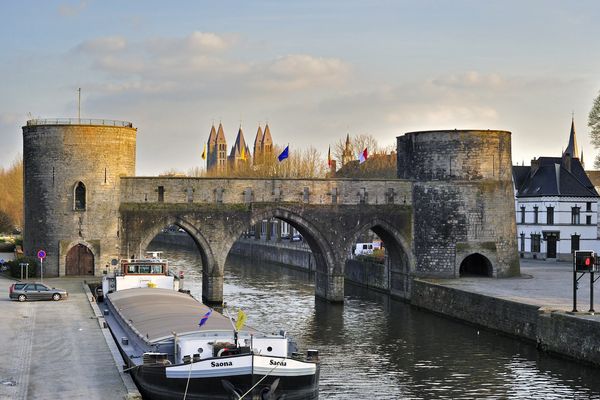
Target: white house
(556,206)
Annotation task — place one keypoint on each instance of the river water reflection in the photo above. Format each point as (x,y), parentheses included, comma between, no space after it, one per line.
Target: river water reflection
(374,347)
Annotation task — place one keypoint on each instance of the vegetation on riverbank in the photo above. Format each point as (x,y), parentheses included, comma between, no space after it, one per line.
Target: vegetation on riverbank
(11,197)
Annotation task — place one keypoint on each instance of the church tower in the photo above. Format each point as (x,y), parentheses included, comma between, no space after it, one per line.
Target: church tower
(572,148)
(266,145)
(347,154)
(240,152)
(258,157)
(216,159)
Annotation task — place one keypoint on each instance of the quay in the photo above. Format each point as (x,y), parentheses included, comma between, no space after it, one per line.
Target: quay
(58,349)
(536,306)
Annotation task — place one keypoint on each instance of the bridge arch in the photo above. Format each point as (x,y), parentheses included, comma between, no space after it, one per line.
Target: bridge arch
(476,264)
(400,261)
(327,265)
(206,252)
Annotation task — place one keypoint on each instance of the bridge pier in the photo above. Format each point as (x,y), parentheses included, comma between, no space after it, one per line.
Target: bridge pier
(212,289)
(330,288)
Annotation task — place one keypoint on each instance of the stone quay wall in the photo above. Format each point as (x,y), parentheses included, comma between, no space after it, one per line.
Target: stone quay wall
(571,336)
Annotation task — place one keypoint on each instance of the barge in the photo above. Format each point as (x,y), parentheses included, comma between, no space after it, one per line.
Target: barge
(178,348)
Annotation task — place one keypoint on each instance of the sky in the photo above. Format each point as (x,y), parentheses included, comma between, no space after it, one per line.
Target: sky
(314,70)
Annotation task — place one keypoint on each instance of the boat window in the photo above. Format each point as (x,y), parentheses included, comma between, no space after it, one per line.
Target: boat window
(132,269)
(157,269)
(269,348)
(144,269)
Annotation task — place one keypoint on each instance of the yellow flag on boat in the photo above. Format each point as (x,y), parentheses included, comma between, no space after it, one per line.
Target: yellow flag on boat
(241,320)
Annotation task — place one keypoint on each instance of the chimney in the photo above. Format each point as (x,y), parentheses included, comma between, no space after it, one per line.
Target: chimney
(535,164)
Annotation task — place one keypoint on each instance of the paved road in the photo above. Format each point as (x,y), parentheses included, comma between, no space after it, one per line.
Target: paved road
(546,284)
(54,350)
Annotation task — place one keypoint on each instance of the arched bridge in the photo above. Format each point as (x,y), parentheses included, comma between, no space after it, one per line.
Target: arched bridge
(330,214)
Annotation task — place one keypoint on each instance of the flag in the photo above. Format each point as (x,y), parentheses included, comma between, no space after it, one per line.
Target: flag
(241,320)
(363,156)
(329,157)
(204,152)
(205,317)
(285,153)
(243,155)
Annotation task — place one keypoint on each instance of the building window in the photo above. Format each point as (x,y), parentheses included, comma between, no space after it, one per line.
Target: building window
(522,242)
(575,216)
(588,206)
(535,243)
(80,197)
(550,215)
(522,214)
(535,215)
(574,243)
(588,219)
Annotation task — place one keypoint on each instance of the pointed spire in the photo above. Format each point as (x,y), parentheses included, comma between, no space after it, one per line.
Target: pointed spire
(212,137)
(220,134)
(572,148)
(266,144)
(258,140)
(581,160)
(240,143)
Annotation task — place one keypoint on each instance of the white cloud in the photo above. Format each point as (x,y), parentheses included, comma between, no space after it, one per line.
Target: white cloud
(102,45)
(71,10)
(207,41)
(469,80)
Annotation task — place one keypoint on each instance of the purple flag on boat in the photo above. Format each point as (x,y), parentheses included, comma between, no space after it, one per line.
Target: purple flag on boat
(205,317)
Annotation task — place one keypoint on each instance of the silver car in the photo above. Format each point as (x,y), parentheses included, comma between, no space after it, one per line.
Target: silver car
(35,291)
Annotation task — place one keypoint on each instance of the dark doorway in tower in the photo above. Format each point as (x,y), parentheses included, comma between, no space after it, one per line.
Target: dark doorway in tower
(476,265)
(80,261)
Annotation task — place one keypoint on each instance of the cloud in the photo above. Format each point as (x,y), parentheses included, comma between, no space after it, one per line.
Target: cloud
(102,45)
(469,80)
(301,71)
(71,10)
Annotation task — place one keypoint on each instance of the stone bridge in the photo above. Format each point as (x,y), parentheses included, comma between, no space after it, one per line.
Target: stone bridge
(330,215)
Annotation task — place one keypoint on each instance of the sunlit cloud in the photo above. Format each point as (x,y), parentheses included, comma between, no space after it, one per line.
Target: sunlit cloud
(71,10)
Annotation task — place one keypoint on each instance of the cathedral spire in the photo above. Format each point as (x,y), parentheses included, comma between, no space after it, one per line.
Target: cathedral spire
(572,148)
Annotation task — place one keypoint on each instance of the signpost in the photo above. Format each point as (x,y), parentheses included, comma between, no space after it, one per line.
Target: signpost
(41,255)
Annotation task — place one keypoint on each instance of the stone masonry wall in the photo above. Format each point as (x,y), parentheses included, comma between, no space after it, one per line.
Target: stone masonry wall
(244,190)
(463,199)
(55,158)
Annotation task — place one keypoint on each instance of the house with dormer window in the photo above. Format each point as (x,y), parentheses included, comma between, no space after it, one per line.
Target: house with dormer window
(556,206)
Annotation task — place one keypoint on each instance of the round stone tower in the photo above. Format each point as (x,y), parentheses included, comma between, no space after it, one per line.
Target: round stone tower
(463,199)
(72,170)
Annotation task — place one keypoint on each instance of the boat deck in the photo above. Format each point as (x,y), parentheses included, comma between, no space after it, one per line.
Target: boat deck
(154,314)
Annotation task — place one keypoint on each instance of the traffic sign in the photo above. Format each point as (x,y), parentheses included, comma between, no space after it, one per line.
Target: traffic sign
(41,254)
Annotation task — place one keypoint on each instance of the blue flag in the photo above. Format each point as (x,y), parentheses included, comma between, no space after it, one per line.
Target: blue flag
(285,153)
(205,317)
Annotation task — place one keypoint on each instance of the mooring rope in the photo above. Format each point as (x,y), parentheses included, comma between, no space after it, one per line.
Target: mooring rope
(258,383)
(188,381)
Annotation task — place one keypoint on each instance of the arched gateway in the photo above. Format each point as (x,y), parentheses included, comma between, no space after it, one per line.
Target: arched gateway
(80,261)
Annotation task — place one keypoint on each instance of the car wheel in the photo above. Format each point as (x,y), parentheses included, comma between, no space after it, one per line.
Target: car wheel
(22,297)
(56,297)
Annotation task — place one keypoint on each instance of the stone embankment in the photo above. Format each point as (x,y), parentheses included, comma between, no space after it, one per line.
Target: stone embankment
(536,307)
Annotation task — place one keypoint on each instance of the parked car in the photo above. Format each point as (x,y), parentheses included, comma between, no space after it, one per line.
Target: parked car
(35,291)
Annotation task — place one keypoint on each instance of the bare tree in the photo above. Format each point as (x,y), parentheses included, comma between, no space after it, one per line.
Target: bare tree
(594,124)
(11,189)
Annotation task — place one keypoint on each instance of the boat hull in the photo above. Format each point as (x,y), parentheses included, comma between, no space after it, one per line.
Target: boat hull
(154,384)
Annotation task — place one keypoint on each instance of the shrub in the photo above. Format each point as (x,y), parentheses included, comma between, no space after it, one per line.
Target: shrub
(14,267)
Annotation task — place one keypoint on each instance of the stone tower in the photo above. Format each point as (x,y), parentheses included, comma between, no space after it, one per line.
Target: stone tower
(257,155)
(217,150)
(347,154)
(266,144)
(72,192)
(463,200)
(240,152)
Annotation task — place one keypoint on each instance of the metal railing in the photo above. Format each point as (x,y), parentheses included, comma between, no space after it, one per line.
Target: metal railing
(79,121)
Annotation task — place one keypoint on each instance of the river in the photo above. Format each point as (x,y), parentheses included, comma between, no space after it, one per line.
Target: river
(374,347)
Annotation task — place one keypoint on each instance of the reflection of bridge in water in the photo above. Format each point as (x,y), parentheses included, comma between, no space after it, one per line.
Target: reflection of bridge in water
(453,199)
